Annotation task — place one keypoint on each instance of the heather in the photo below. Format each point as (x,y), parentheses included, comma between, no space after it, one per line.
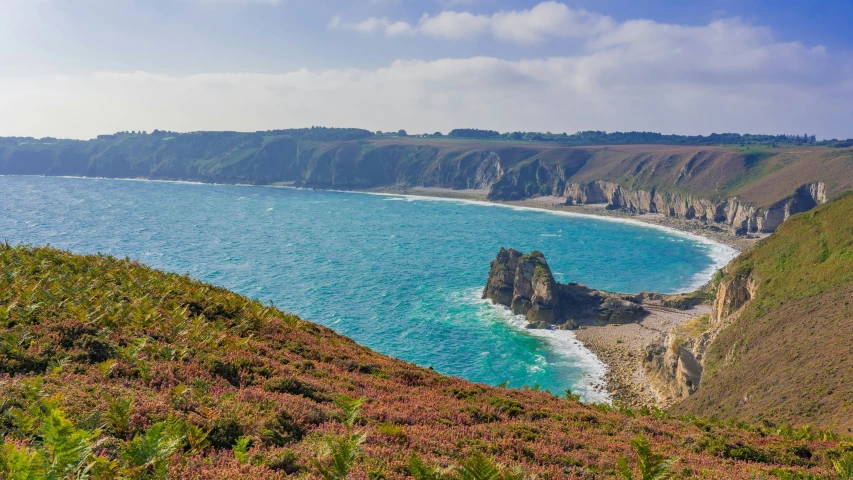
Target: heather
(111,369)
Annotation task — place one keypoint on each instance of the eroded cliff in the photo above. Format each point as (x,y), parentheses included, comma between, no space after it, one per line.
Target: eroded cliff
(674,367)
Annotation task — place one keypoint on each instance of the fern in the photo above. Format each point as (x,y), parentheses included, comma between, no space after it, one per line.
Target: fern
(69,450)
(22,463)
(351,408)
(844,466)
(118,416)
(651,465)
(421,471)
(478,467)
(342,451)
(148,455)
(241,449)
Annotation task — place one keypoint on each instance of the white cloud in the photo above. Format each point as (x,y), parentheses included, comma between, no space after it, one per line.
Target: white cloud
(636,75)
(453,25)
(725,76)
(547,19)
(372,25)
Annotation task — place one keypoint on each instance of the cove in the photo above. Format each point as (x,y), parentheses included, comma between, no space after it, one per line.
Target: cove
(400,275)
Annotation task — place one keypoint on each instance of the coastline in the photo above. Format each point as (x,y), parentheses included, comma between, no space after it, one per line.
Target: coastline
(623,347)
(616,347)
(557,204)
(620,348)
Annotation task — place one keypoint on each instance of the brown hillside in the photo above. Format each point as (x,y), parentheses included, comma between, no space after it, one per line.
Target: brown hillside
(788,358)
(112,352)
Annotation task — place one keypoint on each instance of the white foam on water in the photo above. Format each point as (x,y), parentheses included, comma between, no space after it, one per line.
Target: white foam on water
(562,342)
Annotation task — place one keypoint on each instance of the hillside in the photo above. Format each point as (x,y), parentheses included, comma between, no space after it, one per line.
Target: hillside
(111,365)
(745,189)
(785,308)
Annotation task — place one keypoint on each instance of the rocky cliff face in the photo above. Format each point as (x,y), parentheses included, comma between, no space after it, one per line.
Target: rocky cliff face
(674,367)
(731,213)
(524,283)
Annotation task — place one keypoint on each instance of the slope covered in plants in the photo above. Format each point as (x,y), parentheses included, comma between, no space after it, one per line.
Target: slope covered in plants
(788,355)
(113,368)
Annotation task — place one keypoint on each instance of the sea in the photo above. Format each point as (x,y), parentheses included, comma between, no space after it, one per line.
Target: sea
(402,275)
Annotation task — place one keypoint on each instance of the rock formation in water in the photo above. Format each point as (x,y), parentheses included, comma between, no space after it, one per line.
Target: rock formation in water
(524,283)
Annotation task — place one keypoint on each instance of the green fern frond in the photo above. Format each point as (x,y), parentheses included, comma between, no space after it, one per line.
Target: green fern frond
(22,463)
(421,471)
(241,449)
(342,454)
(478,467)
(351,409)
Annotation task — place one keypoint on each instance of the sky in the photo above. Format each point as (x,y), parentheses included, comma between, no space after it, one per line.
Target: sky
(79,68)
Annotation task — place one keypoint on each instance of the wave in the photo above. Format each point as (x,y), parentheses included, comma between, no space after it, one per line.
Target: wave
(591,386)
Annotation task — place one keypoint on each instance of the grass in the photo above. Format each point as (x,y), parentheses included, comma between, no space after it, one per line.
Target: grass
(148,374)
(792,334)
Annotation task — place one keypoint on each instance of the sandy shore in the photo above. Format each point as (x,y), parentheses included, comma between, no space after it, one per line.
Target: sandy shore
(622,348)
(695,227)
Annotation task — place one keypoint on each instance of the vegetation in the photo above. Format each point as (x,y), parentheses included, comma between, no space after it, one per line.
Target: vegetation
(651,466)
(110,369)
(793,333)
(595,137)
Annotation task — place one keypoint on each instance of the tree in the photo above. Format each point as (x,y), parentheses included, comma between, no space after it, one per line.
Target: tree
(402,133)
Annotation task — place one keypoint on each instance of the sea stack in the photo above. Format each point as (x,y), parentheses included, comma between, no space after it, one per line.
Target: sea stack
(524,283)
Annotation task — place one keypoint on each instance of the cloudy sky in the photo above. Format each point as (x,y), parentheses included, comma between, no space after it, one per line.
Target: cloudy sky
(78,68)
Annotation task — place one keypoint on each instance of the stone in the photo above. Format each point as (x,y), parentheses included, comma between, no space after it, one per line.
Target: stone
(525,284)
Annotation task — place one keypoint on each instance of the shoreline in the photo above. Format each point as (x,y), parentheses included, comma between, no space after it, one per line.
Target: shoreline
(557,204)
(620,348)
(623,347)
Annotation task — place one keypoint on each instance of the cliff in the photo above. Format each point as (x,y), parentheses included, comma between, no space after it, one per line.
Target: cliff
(741,189)
(524,283)
(137,373)
(776,347)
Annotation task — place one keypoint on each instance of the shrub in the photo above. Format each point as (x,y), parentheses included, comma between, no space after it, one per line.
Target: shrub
(281,430)
(225,432)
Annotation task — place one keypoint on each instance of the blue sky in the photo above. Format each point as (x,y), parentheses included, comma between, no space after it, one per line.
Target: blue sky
(78,68)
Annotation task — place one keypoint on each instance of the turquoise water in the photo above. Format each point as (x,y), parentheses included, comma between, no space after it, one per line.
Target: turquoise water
(398,274)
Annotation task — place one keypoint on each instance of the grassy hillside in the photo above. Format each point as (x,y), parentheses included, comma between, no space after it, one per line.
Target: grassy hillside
(112,367)
(758,175)
(789,356)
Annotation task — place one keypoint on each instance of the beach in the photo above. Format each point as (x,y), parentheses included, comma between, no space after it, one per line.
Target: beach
(620,347)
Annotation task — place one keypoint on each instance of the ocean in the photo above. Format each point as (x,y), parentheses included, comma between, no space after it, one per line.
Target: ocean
(401,275)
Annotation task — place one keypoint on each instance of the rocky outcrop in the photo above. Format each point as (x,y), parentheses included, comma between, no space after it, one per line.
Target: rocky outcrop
(732,295)
(674,366)
(672,369)
(524,283)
